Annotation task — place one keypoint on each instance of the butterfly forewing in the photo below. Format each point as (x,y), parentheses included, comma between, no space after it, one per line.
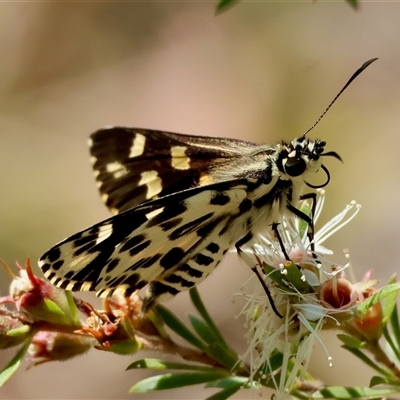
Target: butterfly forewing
(135,165)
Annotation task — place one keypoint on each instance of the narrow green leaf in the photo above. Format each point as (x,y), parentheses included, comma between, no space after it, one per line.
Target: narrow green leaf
(225,394)
(154,363)
(229,385)
(389,305)
(231,381)
(176,325)
(223,355)
(359,354)
(14,364)
(351,341)
(203,330)
(54,308)
(20,331)
(172,381)
(297,394)
(270,366)
(353,3)
(380,380)
(224,5)
(73,308)
(200,307)
(378,296)
(395,326)
(344,393)
(216,349)
(390,339)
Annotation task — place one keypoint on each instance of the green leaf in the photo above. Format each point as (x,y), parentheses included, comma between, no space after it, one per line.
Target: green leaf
(378,296)
(351,341)
(389,304)
(172,381)
(353,3)
(20,331)
(340,392)
(225,394)
(14,364)
(274,363)
(203,330)
(392,341)
(380,380)
(293,275)
(231,381)
(74,312)
(200,307)
(176,325)
(395,326)
(54,308)
(224,5)
(359,354)
(216,349)
(123,347)
(298,394)
(224,356)
(303,225)
(154,363)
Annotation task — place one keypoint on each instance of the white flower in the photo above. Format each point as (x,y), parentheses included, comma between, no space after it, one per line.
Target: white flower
(280,348)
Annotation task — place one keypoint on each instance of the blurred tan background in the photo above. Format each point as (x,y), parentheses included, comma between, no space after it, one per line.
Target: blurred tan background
(263,71)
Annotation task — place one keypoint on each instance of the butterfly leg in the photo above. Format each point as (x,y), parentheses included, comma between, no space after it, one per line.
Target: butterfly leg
(308,219)
(254,267)
(274,228)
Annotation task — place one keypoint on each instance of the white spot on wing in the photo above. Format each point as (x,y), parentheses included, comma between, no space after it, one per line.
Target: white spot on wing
(152,181)
(104,233)
(152,214)
(179,158)
(138,145)
(82,260)
(86,286)
(117,169)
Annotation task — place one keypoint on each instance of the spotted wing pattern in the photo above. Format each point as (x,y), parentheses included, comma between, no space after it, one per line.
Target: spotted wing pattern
(171,243)
(133,165)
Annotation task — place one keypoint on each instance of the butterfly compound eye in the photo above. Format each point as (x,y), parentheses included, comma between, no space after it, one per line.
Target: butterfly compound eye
(295,166)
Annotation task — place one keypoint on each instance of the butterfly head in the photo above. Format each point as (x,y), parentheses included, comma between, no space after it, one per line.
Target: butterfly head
(302,157)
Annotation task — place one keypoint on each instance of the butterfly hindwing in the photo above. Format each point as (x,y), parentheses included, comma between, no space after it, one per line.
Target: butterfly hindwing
(136,165)
(148,244)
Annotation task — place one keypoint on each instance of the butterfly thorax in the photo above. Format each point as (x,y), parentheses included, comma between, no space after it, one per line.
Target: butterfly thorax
(276,178)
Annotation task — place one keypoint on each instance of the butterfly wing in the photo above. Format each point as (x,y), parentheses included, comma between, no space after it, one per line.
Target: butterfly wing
(136,165)
(151,243)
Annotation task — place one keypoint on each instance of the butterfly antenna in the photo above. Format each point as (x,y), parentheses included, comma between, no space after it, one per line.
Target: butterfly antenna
(354,76)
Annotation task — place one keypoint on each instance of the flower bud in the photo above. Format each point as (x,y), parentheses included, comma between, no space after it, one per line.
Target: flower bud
(12,332)
(55,346)
(369,324)
(42,301)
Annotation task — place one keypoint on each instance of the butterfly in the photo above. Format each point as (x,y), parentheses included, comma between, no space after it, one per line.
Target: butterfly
(180,202)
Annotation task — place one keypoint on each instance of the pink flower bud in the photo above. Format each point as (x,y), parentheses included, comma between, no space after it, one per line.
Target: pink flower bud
(40,300)
(55,346)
